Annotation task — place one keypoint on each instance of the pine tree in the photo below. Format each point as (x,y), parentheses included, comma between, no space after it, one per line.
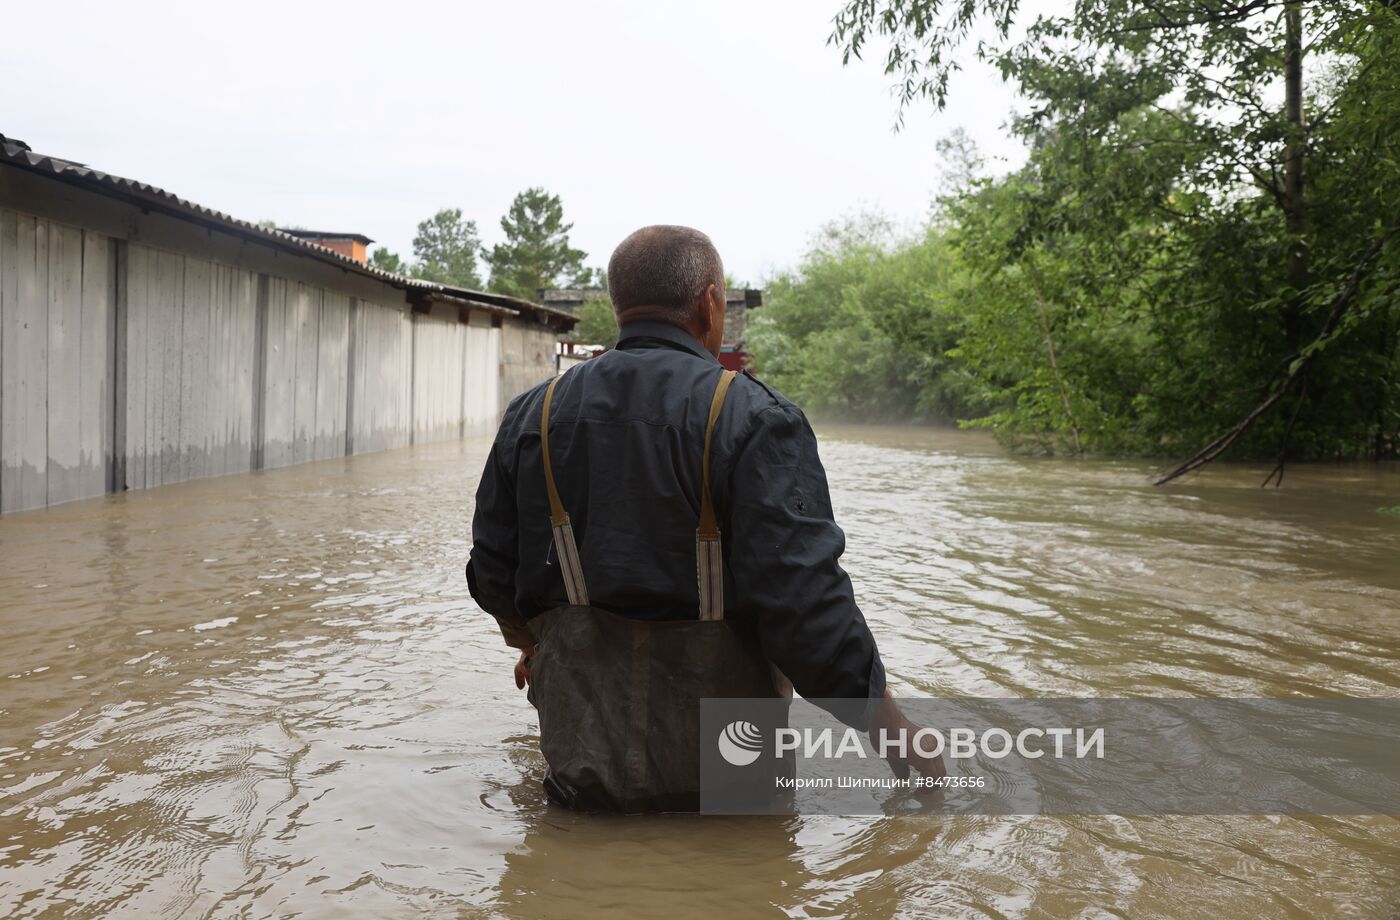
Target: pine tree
(536,253)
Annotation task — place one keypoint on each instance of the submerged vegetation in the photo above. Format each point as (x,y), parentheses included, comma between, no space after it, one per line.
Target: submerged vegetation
(1200,250)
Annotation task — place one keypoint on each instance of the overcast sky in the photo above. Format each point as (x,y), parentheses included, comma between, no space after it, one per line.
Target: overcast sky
(733,116)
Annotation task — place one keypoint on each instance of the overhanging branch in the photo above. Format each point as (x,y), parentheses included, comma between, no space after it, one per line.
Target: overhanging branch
(1334,317)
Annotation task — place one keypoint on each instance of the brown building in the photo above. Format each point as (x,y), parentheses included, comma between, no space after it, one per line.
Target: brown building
(351,245)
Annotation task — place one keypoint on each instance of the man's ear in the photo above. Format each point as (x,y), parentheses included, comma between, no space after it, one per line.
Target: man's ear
(707,306)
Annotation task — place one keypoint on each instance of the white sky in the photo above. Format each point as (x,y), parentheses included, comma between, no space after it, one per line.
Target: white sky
(734,117)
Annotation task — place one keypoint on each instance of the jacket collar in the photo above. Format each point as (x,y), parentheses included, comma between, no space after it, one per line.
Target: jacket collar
(665,332)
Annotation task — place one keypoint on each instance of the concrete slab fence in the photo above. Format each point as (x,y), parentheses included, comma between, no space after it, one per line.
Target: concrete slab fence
(138,350)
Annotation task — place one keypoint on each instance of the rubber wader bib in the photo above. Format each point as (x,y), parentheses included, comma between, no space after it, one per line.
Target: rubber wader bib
(619,698)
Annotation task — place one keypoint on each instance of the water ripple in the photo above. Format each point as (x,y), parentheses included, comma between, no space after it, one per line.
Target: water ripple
(290,707)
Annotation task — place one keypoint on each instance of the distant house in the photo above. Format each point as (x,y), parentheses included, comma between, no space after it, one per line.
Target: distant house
(351,245)
(146,339)
(737,305)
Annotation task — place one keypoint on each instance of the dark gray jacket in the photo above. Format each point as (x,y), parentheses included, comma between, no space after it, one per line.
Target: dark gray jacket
(626,433)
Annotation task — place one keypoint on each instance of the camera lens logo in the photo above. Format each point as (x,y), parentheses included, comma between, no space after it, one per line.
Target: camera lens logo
(740,743)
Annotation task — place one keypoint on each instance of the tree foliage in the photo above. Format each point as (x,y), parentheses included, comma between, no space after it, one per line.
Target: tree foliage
(446,248)
(597,323)
(862,330)
(536,252)
(1204,226)
(387,261)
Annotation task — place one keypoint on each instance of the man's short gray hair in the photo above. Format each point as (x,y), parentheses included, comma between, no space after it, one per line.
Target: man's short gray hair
(663,266)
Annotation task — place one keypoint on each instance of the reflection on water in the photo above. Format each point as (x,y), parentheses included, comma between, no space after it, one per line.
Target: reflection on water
(270,695)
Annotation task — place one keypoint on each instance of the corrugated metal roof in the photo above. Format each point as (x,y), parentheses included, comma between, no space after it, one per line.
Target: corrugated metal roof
(326,235)
(517,303)
(21,154)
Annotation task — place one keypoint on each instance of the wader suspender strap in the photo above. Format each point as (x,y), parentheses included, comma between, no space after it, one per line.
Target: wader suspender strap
(564,546)
(709,563)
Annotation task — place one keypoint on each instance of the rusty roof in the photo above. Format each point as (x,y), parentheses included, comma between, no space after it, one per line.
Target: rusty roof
(18,153)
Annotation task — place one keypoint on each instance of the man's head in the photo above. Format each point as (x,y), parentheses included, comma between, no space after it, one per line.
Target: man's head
(672,274)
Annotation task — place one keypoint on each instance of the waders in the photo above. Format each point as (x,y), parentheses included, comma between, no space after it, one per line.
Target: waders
(618,698)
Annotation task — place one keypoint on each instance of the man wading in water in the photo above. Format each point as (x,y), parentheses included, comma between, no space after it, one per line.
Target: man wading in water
(597,546)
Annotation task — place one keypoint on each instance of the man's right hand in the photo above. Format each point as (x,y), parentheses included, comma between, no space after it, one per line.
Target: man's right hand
(888,719)
(522,667)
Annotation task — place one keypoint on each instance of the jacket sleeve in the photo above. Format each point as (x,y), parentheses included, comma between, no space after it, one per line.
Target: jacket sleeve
(783,546)
(493,563)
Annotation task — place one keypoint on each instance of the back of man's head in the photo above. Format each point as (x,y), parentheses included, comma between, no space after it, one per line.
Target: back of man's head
(665,268)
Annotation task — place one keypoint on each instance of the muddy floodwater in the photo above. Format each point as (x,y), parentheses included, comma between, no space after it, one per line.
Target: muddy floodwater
(270,696)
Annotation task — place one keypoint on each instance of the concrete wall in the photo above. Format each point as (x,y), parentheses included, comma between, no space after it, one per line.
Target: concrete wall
(138,350)
(736,320)
(56,359)
(184,386)
(567,361)
(227,370)
(304,389)
(447,349)
(382,375)
(483,375)
(527,357)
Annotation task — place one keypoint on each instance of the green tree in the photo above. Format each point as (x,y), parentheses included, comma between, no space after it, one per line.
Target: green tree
(1185,243)
(597,323)
(536,252)
(863,328)
(387,261)
(446,248)
(589,278)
